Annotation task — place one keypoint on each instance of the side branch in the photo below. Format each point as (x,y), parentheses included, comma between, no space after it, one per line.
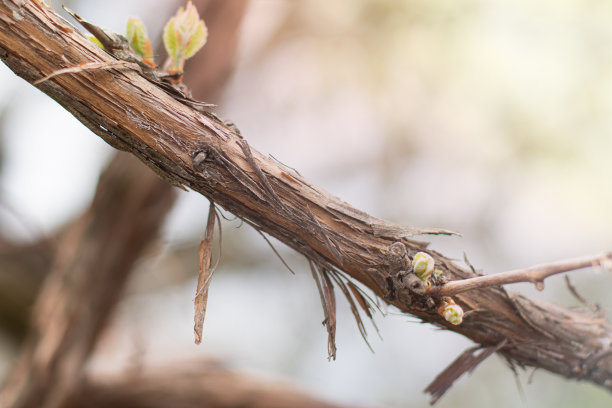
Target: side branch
(534,274)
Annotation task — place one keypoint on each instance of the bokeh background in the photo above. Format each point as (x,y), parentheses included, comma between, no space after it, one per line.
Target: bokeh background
(490,118)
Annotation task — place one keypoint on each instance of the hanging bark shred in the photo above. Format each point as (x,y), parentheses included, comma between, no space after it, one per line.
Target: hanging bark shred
(205,274)
(331,319)
(328,301)
(337,277)
(278,255)
(465,363)
(361,299)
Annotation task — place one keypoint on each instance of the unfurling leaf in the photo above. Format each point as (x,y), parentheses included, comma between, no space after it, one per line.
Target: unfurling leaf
(139,40)
(184,35)
(172,41)
(197,40)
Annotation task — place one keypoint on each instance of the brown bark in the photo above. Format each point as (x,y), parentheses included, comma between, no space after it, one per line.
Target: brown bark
(94,257)
(195,150)
(23,267)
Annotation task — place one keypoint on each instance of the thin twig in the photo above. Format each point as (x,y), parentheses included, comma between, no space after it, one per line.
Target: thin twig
(535,274)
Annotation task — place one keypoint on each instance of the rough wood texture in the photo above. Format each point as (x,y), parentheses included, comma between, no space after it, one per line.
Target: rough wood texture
(198,151)
(93,261)
(23,267)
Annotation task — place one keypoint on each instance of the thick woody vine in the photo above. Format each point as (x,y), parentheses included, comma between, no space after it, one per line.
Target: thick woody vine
(191,147)
(414,279)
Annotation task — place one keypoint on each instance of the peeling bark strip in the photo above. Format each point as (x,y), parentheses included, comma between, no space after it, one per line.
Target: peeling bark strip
(328,302)
(465,363)
(205,274)
(196,150)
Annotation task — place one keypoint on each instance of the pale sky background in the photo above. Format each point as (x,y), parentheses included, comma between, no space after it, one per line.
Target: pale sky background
(490,118)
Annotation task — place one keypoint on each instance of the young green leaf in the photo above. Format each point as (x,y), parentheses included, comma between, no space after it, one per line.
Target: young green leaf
(184,35)
(172,42)
(139,40)
(197,40)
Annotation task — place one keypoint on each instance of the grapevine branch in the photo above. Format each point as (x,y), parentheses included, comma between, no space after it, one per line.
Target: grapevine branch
(193,149)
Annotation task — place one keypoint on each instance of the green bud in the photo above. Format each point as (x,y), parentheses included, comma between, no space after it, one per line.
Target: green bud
(453,314)
(423,265)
